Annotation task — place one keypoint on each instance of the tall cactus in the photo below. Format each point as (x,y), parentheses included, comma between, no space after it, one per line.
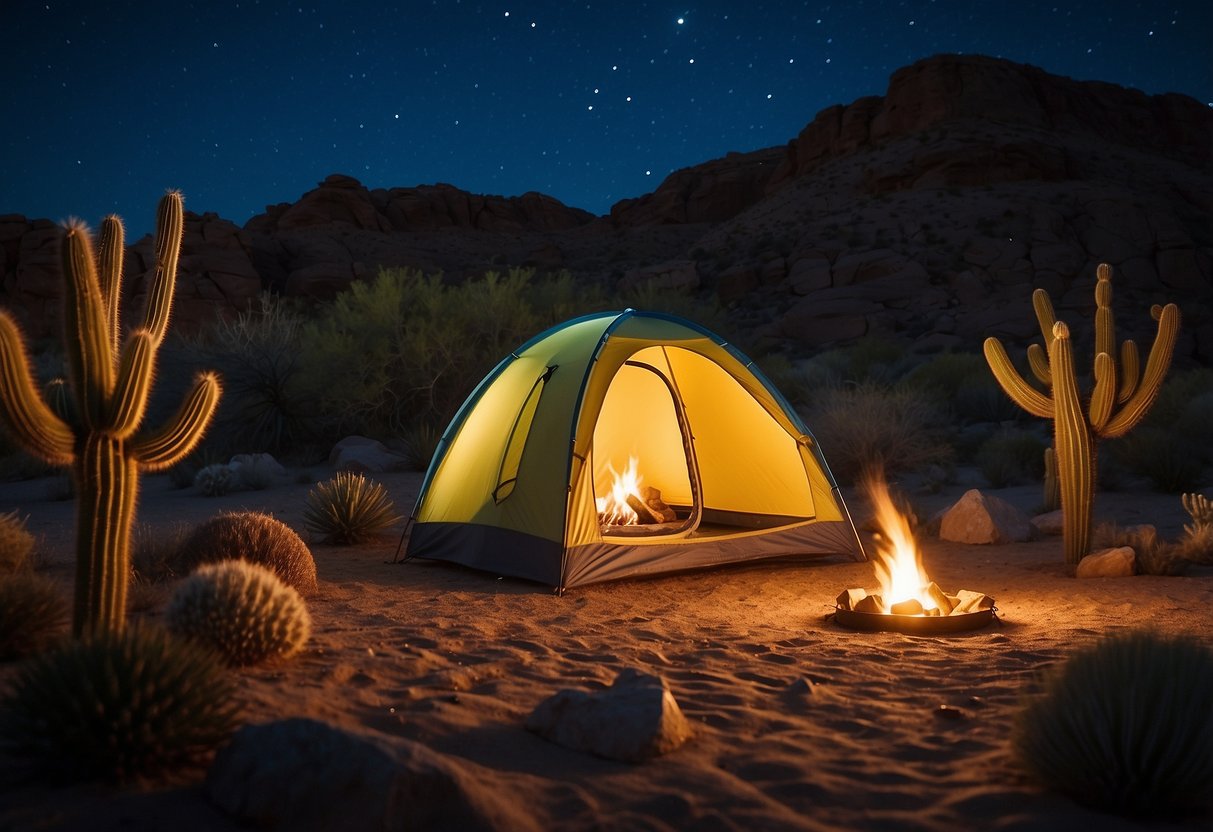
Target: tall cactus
(1120,397)
(110,380)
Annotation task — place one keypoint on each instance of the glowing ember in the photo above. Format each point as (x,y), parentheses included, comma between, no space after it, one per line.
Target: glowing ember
(897,563)
(613,509)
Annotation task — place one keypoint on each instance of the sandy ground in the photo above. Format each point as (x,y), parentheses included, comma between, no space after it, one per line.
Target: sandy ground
(457,659)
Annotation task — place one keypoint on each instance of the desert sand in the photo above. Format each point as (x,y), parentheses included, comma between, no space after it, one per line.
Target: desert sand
(457,659)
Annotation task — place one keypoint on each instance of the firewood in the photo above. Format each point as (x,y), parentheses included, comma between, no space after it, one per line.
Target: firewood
(849,599)
(970,601)
(656,506)
(910,606)
(939,597)
(870,603)
(643,515)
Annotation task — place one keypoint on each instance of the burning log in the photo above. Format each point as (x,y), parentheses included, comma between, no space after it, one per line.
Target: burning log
(942,601)
(643,515)
(910,606)
(965,601)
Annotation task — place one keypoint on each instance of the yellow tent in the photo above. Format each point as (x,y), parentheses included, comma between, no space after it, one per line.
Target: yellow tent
(516,479)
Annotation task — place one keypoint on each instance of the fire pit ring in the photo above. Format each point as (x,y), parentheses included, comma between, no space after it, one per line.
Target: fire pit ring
(918,625)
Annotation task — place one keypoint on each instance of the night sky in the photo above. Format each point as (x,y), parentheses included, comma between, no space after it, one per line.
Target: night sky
(243,104)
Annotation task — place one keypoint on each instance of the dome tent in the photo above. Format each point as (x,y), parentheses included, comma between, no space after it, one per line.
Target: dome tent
(513,483)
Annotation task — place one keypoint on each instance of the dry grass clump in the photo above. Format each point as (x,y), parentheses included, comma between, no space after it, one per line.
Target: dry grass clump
(1125,726)
(1155,556)
(870,426)
(33,614)
(16,544)
(256,538)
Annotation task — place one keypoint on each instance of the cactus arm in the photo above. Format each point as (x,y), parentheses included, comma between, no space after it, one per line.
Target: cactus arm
(1009,379)
(181,434)
(109,259)
(129,401)
(1151,381)
(31,422)
(1044,314)
(86,339)
(170,224)
(1073,444)
(1105,326)
(1130,370)
(1103,396)
(1038,360)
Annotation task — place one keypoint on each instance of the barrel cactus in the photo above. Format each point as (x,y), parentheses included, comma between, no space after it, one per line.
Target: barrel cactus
(242,610)
(1126,726)
(1122,394)
(117,706)
(256,538)
(100,438)
(349,508)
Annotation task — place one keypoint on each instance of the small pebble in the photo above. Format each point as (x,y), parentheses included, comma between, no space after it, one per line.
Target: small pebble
(949,712)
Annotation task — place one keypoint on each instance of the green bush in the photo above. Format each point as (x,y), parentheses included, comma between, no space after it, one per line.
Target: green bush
(1125,726)
(1170,447)
(242,610)
(868,426)
(963,384)
(119,706)
(256,538)
(33,613)
(16,544)
(349,508)
(1012,456)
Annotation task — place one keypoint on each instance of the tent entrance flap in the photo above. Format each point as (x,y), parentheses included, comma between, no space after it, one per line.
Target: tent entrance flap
(642,441)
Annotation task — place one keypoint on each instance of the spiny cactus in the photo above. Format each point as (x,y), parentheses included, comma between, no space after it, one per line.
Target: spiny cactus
(349,508)
(214,480)
(1120,397)
(110,381)
(254,537)
(32,612)
(242,610)
(1126,726)
(119,705)
(16,543)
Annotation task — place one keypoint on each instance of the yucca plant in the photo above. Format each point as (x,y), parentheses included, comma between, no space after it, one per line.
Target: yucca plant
(32,614)
(254,537)
(348,509)
(16,543)
(1126,726)
(118,706)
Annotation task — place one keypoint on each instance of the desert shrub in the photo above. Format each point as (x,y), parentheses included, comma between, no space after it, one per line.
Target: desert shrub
(265,407)
(871,358)
(1155,556)
(1170,447)
(119,706)
(1196,544)
(1012,456)
(349,508)
(1200,509)
(1125,726)
(242,610)
(32,614)
(963,384)
(215,480)
(868,426)
(420,443)
(256,538)
(16,544)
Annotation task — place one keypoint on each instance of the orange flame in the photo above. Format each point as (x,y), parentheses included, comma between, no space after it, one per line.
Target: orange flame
(613,509)
(898,563)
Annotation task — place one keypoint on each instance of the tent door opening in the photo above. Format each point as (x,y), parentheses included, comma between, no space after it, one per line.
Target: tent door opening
(643,450)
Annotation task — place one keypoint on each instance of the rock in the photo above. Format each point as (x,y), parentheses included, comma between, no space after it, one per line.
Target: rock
(678,276)
(709,192)
(634,719)
(257,470)
(1050,523)
(302,774)
(984,518)
(1120,562)
(362,455)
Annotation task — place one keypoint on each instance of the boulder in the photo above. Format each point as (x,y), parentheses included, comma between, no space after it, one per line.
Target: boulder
(1120,562)
(302,774)
(257,470)
(634,719)
(984,518)
(362,455)
(1049,523)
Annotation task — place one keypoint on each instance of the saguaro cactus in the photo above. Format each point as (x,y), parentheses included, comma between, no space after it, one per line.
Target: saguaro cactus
(1120,397)
(99,437)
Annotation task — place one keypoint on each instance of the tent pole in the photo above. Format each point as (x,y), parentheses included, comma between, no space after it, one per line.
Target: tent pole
(403,535)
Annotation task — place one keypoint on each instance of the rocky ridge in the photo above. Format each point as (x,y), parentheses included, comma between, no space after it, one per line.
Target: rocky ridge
(927,214)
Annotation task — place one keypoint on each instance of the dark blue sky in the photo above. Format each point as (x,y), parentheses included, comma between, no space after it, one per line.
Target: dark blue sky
(242,104)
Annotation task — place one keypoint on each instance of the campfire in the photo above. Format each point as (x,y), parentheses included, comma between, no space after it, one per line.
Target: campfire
(629,503)
(907,598)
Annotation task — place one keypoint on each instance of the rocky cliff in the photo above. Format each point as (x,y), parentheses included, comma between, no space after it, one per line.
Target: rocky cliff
(927,214)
